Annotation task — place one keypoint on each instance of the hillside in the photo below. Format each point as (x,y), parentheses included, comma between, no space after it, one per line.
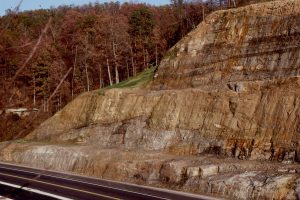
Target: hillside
(220,115)
(102,43)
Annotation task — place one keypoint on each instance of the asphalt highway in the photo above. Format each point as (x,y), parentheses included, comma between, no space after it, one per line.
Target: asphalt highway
(19,182)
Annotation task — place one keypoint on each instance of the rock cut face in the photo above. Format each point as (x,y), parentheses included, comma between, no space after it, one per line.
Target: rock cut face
(230,87)
(247,61)
(240,49)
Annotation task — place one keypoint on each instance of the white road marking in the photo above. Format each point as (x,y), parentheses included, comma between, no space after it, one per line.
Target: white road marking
(109,181)
(4,198)
(61,186)
(70,179)
(33,190)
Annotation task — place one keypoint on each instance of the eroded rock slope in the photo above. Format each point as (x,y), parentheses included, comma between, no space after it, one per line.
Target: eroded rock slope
(225,100)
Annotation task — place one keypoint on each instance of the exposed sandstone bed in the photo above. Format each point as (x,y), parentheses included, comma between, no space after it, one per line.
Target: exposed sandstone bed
(205,174)
(260,126)
(246,101)
(221,117)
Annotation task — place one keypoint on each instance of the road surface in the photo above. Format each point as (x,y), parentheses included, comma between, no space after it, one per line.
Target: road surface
(18,182)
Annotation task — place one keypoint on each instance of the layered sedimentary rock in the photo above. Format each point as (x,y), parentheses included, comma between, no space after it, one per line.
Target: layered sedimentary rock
(233,81)
(230,88)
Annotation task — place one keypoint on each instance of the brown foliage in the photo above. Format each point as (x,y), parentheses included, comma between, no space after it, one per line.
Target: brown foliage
(35,55)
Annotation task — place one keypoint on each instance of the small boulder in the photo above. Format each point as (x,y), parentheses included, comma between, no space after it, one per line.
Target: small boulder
(208,170)
(193,172)
(174,172)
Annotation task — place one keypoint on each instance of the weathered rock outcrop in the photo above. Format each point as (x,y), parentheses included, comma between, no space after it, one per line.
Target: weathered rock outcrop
(234,81)
(229,88)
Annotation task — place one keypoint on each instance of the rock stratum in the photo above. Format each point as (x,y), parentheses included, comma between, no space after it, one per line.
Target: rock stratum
(221,115)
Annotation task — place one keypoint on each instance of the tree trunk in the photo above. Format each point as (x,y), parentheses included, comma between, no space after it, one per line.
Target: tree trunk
(203,12)
(132,63)
(127,67)
(44,103)
(86,66)
(147,59)
(108,70)
(87,77)
(117,74)
(100,76)
(144,58)
(47,106)
(115,61)
(156,56)
(34,92)
(74,67)
(234,3)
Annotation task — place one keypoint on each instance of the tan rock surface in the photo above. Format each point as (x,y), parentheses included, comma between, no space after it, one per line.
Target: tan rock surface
(230,88)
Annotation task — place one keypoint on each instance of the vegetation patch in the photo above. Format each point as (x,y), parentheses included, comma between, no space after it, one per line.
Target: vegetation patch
(141,79)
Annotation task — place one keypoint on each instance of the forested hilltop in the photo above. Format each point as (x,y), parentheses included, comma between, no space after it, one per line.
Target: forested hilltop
(86,48)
